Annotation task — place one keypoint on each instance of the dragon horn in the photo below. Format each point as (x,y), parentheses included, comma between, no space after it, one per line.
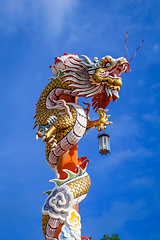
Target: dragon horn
(87,58)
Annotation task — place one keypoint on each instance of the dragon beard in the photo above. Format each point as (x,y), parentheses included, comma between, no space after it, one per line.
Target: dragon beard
(98,82)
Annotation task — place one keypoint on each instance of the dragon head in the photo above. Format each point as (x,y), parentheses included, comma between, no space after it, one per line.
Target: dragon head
(106,74)
(99,79)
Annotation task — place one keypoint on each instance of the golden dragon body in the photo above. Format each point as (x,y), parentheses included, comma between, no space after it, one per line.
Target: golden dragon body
(61,124)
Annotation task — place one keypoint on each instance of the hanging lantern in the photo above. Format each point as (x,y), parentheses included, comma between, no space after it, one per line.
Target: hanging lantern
(104,143)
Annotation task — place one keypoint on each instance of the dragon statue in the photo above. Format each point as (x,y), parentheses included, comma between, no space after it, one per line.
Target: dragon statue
(62,123)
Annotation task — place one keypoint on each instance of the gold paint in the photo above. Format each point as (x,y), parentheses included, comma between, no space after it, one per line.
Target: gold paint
(104,61)
(96,79)
(121,62)
(45,219)
(51,130)
(74,220)
(102,121)
(63,125)
(80,186)
(42,113)
(60,128)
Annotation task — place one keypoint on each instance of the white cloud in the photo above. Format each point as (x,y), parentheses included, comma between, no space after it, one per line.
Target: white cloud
(155,87)
(130,154)
(117,159)
(56,13)
(144,181)
(125,126)
(153,118)
(48,15)
(117,216)
(125,211)
(156,47)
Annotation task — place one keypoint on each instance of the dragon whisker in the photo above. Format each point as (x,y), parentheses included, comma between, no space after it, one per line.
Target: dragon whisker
(136,51)
(125,45)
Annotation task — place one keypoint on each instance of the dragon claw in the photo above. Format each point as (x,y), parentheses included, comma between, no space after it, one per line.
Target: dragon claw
(39,134)
(43,138)
(50,140)
(102,128)
(54,145)
(102,122)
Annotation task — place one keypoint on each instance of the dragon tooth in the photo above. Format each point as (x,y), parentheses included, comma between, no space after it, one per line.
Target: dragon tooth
(115,92)
(36,137)
(106,88)
(126,69)
(123,66)
(110,92)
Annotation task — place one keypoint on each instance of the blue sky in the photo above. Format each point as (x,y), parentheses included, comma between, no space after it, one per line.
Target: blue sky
(125,193)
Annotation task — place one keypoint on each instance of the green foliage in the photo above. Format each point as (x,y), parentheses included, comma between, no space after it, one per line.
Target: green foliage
(114,237)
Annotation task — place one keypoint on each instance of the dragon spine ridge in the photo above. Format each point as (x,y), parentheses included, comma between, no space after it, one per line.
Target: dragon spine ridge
(64,123)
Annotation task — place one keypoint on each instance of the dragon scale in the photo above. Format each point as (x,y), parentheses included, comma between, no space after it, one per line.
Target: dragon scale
(62,123)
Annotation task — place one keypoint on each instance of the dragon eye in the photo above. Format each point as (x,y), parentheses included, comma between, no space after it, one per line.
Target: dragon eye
(108,64)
